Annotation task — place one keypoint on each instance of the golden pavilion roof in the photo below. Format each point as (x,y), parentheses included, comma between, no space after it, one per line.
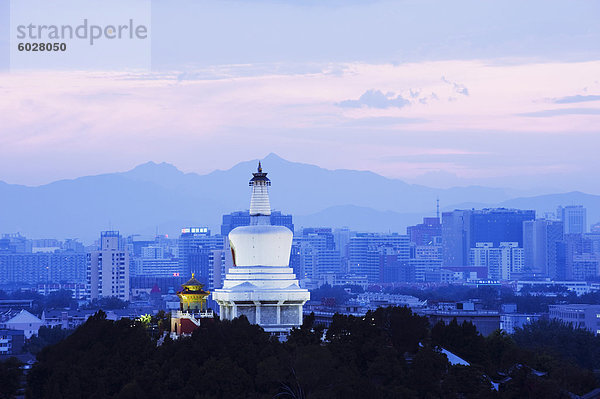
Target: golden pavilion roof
(193,282)
(193,286)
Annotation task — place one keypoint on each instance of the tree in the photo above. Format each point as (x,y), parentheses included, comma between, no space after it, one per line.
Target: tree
(467,382)
(561,339)
(388,353)
(10,377)
(59,299)
(307,334)
(46,336)
(339,295)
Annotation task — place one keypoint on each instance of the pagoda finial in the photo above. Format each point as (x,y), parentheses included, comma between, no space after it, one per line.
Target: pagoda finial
(193,274)
(259,203)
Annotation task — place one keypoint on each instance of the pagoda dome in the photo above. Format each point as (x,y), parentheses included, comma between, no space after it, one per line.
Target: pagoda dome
(261,245)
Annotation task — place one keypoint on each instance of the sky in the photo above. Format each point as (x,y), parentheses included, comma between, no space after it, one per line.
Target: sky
(495,93)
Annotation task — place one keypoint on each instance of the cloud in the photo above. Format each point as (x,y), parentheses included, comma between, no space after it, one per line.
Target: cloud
(576,99)
(459,88)
(558,112)
(376,99)
(192,123)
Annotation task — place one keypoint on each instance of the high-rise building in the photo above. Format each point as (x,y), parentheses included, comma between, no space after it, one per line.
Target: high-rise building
(137,243)
(580,257)
(15,243)
(426,260)
(498,225)
(364,253)
(157,257)
(593,238)
(316,253)
(425,233)
(328,261)
(305,260)
(261,285)
(108,268)
(540,238)
(42,267)
(585,266)
(153,252)
(25,261)
(574,218)
(462,230)
(393,267)
(342,239)
(455,241)
(500,261)
(154,263)
(324,232)
(195,250)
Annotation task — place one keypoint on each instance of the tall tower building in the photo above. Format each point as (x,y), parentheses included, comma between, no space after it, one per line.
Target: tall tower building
(500,261)
(455,238)
(364,251)
(196,253)
(574,218)
(463,229)
(108,268)
(426,232)
(261,285)
(540,238)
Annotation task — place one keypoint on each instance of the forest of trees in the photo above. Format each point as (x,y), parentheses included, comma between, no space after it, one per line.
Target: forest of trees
(390,353)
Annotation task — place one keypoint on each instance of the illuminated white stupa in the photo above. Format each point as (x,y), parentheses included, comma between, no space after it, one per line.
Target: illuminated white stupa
(261,285)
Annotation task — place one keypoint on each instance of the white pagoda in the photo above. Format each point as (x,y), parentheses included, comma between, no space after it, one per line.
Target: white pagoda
(261,285)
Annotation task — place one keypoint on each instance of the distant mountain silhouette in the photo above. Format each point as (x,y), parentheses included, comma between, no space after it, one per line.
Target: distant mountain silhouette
(155,196)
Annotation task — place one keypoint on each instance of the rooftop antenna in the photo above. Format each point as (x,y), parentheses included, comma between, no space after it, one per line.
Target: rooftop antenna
(437,206)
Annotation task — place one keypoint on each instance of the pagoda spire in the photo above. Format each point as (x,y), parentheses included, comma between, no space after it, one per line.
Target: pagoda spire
(259,202)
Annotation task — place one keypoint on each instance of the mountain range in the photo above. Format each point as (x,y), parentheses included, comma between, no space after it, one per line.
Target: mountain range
(157,197)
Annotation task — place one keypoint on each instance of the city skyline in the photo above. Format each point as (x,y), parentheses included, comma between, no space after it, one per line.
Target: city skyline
(160,198)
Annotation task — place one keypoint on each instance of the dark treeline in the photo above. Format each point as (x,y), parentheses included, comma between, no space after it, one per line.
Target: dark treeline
(337,293)
(390,353)
(11,374)
(46,336)
(562,341)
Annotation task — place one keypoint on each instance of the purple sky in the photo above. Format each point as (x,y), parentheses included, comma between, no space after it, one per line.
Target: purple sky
(502,94)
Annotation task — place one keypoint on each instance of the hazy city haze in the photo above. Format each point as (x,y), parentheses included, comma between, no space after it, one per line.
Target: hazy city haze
(160,198)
